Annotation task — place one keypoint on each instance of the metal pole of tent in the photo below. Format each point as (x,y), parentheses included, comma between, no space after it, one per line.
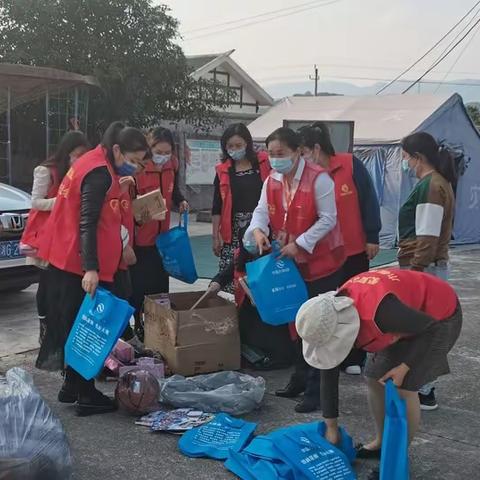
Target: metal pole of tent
(47,123)
(9,135)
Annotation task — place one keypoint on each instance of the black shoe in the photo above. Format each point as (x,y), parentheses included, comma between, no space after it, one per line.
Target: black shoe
(68,393)
(428,402)
(307,405)
(374,474)
(294,388)
(94,402)
(367,454)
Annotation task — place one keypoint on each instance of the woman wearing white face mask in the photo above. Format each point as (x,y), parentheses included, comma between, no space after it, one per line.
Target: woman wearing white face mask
(238,184)
(297,206)
(148,274)
(425,220)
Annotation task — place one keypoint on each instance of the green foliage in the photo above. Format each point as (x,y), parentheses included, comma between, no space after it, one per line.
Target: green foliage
(474,112)
(128,45)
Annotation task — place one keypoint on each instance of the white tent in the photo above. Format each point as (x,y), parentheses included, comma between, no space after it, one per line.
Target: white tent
(380,124)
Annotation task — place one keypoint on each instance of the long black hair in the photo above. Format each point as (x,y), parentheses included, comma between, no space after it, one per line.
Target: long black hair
(242,131)
(160,135)
(61,158)
(285,135)
(129,139)
(317,134)
(438,156)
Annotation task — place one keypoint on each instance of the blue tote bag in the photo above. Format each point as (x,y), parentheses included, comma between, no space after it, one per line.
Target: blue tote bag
(217,437)
(277,287)
(99,323)
(176,252)
(394,459)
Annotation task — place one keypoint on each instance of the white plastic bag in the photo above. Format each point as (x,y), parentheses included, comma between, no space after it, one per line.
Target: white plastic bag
(33,444)
(229,392)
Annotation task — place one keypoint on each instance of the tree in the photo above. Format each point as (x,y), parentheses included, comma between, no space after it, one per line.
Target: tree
(474,112)
(128,45)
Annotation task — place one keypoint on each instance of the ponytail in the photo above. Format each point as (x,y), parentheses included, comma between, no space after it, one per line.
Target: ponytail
(317,134)
(446,165)
(438,156)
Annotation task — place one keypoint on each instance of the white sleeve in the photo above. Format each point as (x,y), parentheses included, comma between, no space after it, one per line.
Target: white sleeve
(326,210)
(41,183)
(260,218)
(125,236)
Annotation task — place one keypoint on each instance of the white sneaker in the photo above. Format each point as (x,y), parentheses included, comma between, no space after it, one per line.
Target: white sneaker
(353,370)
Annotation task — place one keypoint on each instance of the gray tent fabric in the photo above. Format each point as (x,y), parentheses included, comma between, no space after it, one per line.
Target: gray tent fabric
(380,124)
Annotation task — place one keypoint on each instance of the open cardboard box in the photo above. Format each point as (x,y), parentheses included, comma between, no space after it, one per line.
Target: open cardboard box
(202,340)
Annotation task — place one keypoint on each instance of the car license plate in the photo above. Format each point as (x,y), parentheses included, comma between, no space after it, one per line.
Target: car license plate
(10,250)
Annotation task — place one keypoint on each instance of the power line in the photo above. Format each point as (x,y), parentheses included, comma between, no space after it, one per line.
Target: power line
(457,60)
(341,77)
(458,34)
(428,51)
(293,7)
(443,58)
(331,2)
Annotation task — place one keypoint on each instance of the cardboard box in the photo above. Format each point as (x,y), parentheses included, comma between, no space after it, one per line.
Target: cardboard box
(151,205)
(202,340)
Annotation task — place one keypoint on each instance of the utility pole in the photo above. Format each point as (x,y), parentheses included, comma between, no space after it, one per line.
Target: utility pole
(316,78)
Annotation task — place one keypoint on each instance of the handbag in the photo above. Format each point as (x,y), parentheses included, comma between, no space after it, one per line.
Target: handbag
(98,325)
(394,458)
(176,251)
(277,287)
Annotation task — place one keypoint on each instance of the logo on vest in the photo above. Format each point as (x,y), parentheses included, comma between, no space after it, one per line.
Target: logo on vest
(125,205)
(114,204)
(345,190)
(63,190)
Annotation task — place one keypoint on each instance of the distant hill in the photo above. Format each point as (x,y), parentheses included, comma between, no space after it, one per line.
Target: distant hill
(469,93)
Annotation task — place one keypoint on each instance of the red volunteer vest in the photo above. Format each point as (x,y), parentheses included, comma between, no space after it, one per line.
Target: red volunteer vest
(348,209)
(417,290)
(61,247)
(329,253)
(127,221)
(223,173)
(38,218)
(153,178)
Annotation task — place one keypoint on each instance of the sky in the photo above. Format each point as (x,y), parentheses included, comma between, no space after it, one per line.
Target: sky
(355,41)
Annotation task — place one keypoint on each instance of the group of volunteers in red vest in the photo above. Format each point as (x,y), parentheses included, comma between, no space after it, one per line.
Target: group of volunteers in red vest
(322,208)
(89,237)
(319,205)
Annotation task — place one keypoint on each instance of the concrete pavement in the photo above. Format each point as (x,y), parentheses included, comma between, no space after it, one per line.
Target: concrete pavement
(111,446)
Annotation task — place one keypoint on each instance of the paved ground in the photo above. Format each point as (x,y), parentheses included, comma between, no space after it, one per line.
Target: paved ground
(111,446)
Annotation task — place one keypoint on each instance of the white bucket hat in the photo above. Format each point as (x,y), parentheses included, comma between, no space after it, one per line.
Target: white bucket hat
(328,326)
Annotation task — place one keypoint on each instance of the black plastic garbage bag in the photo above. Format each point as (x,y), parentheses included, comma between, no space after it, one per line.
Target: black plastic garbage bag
(33,444)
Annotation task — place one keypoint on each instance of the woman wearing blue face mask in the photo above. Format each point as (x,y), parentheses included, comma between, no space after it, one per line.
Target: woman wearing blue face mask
(160,172)
(238,184)
(297,206)
(425,221)
(85,244)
